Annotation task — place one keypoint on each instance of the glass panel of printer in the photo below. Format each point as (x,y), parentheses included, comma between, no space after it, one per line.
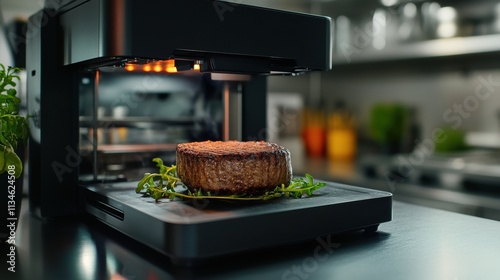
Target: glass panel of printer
(127,119)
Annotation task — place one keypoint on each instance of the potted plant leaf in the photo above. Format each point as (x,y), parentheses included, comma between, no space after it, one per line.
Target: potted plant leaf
(13,135)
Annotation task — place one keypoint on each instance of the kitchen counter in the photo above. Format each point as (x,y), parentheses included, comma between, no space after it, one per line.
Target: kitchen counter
(371,171)
(420,243)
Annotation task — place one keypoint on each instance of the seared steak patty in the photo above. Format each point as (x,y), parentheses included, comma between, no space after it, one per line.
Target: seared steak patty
(233,167)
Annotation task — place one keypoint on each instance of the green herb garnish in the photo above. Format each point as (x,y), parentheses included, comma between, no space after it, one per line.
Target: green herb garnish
(13,127)
(163,185)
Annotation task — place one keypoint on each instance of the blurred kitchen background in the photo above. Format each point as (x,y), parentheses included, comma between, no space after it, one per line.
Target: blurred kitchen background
(412,105)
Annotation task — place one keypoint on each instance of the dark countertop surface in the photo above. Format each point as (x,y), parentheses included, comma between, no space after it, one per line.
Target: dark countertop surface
(419,243)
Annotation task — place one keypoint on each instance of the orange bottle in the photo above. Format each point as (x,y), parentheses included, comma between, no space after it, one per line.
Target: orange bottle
(313,133)
(341,135)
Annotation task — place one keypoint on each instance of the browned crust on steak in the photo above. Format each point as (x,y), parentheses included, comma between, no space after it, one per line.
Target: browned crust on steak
(233,167)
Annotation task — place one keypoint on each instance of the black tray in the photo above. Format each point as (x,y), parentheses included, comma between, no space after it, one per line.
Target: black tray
(189,232)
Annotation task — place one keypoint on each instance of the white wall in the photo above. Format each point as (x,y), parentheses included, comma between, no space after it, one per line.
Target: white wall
(9,11)
(12,9)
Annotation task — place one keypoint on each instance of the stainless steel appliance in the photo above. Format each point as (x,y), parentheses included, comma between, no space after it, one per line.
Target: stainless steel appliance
(81,157)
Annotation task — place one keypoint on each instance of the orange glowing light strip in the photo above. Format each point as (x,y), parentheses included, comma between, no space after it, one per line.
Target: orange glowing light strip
(170,66)
(157,66)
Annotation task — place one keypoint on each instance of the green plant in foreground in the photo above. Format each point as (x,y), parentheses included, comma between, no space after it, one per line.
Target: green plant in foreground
(13,127)
(162,185)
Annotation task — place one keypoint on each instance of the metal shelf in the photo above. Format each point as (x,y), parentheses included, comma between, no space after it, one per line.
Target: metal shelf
(137,122)
(449,47)
(109,149)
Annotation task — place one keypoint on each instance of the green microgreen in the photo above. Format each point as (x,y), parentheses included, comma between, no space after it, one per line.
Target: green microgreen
(163,185)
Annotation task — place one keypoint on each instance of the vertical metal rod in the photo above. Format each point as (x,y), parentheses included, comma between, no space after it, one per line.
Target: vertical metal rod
(226,111)
(236,114)
(95,104)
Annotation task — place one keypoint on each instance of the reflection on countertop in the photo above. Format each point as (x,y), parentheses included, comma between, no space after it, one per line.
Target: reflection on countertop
(417,244)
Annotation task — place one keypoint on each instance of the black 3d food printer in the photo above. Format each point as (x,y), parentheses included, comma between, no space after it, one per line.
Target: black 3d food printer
(79,49)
